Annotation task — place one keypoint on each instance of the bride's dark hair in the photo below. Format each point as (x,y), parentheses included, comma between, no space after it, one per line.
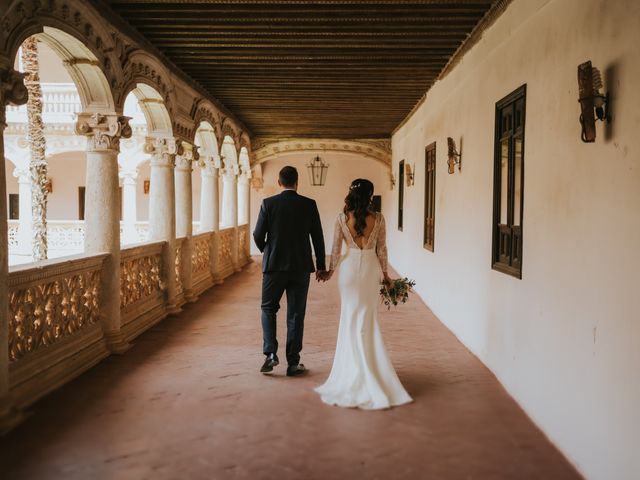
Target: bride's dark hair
(358,201)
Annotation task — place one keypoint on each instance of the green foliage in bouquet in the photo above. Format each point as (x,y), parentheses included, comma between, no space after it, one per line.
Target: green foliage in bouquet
(397,292)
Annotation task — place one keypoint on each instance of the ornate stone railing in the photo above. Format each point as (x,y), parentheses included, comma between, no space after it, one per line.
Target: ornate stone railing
(243,243)
(51,301)
(55,319)
(141,287)
(13,225)
(201,262)
(65,237)
(53,314)
(225,251)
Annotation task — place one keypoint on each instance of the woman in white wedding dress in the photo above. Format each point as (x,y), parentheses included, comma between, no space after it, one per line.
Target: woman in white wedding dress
(362,374)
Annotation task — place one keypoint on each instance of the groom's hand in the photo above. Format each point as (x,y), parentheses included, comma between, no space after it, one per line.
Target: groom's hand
(322,275)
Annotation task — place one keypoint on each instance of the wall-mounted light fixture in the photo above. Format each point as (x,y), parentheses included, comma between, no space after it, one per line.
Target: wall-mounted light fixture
(593,104)
(392,180)
(146,185)
(48,185)
(409,174)
(317,171)
(454,157)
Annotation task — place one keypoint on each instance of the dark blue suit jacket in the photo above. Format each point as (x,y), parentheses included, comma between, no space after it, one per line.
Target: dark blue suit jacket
(282,233)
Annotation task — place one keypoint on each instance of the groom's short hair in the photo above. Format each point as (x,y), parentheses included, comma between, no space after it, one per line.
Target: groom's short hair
(288,176)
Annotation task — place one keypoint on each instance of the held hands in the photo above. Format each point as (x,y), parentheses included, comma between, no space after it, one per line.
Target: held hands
(323,275)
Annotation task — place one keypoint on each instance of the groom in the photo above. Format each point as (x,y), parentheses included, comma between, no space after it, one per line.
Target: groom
(282,234)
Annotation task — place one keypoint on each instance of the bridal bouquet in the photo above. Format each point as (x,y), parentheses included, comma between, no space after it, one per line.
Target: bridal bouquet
(396,292)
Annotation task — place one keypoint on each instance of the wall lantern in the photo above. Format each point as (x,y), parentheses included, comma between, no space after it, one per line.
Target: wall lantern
(410,174)
(593,104)
(317,172)
(455,157)
(392,181)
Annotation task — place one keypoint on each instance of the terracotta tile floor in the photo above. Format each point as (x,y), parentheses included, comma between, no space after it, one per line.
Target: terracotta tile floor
(187,402)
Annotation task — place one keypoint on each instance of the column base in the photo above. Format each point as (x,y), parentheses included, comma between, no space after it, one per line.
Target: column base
(116,343)
(10,417)
(189,297)
(173,309)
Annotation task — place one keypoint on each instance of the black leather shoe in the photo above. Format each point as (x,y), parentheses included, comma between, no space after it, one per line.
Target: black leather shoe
(269,362)
(295,370)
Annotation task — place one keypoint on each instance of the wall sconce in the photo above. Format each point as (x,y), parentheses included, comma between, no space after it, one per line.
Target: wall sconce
(593,104)
(455,157)
(392,180)
(145,186)
(317,171)
(409,173)
(48,186)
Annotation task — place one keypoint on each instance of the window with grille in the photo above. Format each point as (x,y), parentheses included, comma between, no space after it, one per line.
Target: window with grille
(429,196)
(509,183)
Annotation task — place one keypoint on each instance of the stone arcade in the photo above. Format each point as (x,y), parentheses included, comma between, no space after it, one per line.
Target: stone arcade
(166,129)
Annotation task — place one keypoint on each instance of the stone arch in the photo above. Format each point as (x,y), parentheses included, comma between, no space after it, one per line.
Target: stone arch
(378,150)
(206,140)
(204,111)
(154,109)
(229,154)
(76,28)
(143,73)
(229,130)
(244,161)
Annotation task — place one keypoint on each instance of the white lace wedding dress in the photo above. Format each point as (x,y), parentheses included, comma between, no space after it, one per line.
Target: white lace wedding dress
(362,374)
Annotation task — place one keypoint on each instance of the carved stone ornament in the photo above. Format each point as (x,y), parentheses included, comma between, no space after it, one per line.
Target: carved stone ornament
(184,161)
(12,91)
(103,131)
(163,150)
(209,166)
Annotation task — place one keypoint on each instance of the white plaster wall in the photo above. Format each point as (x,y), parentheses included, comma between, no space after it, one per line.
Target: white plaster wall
(343,169)
(142,199)
(564,339)
(67,172)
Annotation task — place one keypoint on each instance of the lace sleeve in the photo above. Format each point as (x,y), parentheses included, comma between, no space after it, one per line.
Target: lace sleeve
(381,245)
(336,250)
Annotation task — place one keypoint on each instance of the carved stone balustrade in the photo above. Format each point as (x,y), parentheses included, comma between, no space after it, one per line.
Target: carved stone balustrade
(54,323)
(201,262)
(142,289)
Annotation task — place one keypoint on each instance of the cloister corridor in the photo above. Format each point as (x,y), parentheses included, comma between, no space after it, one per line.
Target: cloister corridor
(187,401)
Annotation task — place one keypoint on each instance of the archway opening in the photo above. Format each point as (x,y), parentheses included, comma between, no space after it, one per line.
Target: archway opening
(48,181)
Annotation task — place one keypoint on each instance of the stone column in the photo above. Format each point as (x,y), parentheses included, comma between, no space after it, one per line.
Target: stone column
(230,206)
(12,92)
(129,214)
(184,213)
(102,213)
(229,195)
(25,212)
(244,196)
(162,210)
(209,196)
(210,207)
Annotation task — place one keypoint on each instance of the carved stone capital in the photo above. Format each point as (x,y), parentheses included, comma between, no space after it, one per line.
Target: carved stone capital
(129,176)
(184,160)
(163,151)
(22,174)
(103,132)
(12,91)
(210,165)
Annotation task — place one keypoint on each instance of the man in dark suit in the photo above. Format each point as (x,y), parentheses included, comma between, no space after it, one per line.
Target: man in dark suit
(284,225)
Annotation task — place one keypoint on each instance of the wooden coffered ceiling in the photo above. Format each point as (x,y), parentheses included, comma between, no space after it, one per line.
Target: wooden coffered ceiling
(302,68)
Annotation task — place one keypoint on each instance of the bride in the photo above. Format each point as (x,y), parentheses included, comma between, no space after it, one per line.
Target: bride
(362,375)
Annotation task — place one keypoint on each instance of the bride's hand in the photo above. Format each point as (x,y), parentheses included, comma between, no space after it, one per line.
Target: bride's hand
(387,281)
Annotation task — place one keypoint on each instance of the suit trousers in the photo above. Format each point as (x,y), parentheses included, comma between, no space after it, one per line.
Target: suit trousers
(296,285)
